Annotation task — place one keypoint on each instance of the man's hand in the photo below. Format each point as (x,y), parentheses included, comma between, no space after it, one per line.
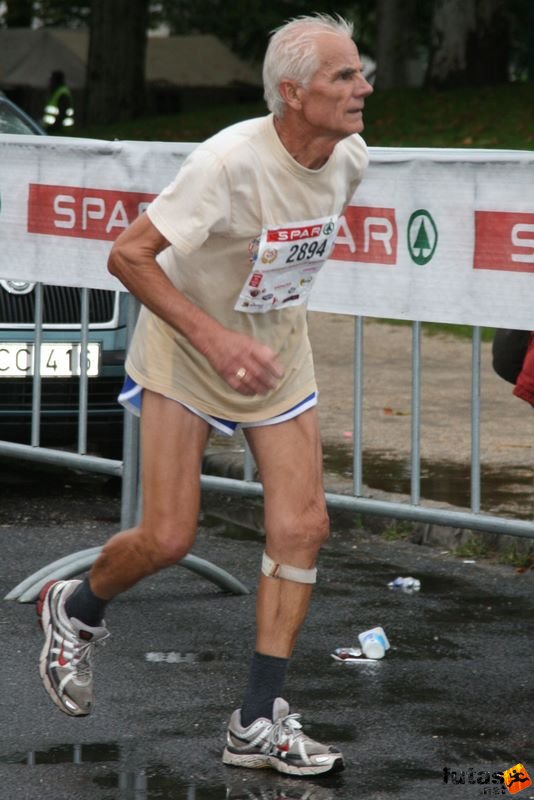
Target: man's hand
(245,364)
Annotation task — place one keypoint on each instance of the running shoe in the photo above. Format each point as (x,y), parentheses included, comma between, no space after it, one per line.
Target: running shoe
(66,658)
(278,743)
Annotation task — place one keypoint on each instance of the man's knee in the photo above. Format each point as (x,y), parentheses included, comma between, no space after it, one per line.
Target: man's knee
(319,525)
(307,530)
(163,547)
(168,547)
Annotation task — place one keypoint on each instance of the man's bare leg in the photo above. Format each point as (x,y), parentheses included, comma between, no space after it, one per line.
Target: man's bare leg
(172,445)
(289,458)
(263,733)
(173,441)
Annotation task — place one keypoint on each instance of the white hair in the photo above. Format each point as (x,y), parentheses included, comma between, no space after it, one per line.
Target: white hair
(292,53)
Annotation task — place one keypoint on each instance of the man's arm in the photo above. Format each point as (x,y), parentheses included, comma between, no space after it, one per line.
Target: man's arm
(133,261)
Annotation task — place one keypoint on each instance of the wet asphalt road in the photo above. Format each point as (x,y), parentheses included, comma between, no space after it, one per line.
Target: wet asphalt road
(454,692)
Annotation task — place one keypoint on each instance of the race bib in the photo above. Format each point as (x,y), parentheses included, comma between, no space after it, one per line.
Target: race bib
(285,261)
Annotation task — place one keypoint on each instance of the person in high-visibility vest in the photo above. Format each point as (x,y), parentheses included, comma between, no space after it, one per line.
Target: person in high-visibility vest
(58,116)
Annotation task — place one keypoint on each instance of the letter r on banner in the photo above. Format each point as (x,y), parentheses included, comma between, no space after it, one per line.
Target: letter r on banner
(367,235)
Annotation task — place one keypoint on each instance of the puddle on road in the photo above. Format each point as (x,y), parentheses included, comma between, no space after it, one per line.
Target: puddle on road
(65,754)
(506,490)
(141,783)
(160,782)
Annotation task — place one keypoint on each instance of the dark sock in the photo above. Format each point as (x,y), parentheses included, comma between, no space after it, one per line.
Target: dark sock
(84,605)
(265,683)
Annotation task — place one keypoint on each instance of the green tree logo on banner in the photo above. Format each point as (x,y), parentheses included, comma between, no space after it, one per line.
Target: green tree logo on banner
(422,236)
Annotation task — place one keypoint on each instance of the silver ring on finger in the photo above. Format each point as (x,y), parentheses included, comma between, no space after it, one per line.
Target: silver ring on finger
(241,373)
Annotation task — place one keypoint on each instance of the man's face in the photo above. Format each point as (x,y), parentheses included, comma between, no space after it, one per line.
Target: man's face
(333,101)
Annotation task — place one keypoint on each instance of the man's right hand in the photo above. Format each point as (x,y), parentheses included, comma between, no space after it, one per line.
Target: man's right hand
(245,364)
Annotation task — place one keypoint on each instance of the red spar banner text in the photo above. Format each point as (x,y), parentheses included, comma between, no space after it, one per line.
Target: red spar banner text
(504,240)
(83,213)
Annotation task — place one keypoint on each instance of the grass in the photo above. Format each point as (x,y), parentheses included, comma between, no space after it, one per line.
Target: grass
(475,547)
(398,531)
(488,117)
(520,556)
(515,556)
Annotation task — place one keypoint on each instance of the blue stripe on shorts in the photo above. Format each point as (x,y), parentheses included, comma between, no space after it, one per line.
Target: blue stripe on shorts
(131,397)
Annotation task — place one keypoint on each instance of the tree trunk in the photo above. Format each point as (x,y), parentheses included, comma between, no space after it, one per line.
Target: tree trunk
(19,14)
(395,43)
(115,88)
(469,43)
(530,41)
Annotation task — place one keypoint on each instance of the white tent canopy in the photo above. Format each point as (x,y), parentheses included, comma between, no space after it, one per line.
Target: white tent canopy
(27,57)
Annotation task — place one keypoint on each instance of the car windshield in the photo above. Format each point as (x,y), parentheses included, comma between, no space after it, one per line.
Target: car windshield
(12,122)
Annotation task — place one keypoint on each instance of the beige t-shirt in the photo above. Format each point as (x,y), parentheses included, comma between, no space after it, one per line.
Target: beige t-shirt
(212,214)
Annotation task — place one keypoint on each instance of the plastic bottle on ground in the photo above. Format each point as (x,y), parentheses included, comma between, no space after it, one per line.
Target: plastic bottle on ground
(407,585)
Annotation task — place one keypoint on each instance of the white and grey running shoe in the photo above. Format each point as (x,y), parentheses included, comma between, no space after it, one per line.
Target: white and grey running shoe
(278,743)
(66,658)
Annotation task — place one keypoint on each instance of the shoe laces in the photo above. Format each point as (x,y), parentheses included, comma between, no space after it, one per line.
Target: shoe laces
(80,652)
(285,731)
(81,658)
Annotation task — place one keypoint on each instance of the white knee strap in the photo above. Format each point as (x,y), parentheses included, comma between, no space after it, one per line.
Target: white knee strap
(285,571)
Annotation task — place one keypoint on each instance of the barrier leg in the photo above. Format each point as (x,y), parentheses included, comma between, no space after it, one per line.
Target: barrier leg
(28,590)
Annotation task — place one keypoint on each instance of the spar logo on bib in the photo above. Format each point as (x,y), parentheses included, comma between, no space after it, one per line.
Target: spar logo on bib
(295,233)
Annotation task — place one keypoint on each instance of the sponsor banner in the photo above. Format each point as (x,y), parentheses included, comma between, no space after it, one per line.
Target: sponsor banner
(63,201)
(435,235)
(439,236)
(504,241)
(85,213)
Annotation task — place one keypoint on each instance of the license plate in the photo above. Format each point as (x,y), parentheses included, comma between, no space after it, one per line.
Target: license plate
(58,360)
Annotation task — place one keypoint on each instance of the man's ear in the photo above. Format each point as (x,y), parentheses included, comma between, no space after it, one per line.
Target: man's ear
(290,92)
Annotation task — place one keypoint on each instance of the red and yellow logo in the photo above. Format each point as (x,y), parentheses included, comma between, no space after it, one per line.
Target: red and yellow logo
(516,779)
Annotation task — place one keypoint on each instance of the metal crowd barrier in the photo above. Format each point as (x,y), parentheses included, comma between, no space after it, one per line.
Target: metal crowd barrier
(412,510)
(128,468)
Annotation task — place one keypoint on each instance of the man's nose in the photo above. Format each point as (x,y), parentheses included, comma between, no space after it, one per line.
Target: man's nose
(368,88)
(362,87)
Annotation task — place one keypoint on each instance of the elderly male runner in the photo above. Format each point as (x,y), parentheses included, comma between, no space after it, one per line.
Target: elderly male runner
(222,262)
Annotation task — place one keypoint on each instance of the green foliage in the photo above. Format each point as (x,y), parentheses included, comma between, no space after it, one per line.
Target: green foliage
(489,117)
(245,24)
(62,13)
(475,547)
(49,13)
(398,531)
(500,117)
(17,14)
(517,556)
